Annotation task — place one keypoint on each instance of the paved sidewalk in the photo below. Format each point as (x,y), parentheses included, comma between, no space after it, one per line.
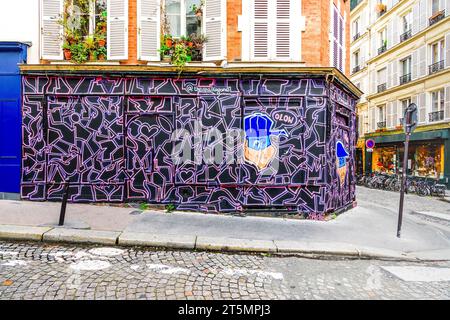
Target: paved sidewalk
(369,230)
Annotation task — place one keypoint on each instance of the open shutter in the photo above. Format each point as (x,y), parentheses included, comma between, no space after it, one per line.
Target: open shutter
(51,29)
(148,13)
(288,33)
(283,35)
(422,108)
(373,120)
(334,31)
(117,29)
(341,43)
(389,115)
(414,65)
(394,113)
(447,50)
(389,75)
(422,61)
(395,79)
(374,43)
(447,103)
(423,14)
(215,30)
(337,40)
(260,30)
(415,18)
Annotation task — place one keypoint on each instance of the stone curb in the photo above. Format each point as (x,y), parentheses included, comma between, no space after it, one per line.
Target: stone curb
(278,247)
(81,236)
(14,232)
(151,240)
(231,244)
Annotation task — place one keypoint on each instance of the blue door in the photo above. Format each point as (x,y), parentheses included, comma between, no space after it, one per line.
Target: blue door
(11,53)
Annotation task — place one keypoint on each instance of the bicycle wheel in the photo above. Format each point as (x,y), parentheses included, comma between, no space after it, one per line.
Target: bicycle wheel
(423,191)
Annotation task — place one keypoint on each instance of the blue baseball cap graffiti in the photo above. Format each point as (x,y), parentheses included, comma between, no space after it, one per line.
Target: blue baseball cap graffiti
(341,153)
(258,129)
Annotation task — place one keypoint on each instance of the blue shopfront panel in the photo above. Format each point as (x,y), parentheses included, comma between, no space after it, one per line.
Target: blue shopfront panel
(11,54)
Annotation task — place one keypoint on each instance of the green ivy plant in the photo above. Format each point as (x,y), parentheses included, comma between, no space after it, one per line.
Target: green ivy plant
(180,57)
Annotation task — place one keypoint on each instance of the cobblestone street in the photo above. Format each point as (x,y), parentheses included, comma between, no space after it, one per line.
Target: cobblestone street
(43,271)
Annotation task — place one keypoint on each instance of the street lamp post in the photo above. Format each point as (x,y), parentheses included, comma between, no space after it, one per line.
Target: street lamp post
(410,123)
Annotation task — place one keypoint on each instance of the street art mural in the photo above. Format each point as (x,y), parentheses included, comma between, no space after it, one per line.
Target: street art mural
(341,161)
(210,144)
(259,148)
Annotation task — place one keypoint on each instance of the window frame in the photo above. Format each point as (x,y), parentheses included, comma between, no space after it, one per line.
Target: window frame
(381,114)
(407,59)
(432,5)
(440,50)
(406,22)
(440,101)
(408,101)
(382,36)
(356,26)
(183,18)
(356,56)
(382,73)
(92,16)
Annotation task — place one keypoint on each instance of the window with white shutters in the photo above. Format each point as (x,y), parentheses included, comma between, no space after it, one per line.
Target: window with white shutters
(148,29)
(51,29)
(275,30)
(100,25)
(337,40)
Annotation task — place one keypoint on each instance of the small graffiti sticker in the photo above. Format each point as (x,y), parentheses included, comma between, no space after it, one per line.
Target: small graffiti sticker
(259,148)
(341,161)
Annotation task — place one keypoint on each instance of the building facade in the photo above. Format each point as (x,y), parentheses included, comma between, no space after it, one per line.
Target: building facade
(260,115)
(400,54)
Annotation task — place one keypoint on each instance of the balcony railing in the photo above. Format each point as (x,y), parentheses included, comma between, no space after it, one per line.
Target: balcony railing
(436,67)
(381,125)
(382,49)
(405,78)
(356,69)
(436,116)
(437,17)
(356,36)
(406,35)
(381,87)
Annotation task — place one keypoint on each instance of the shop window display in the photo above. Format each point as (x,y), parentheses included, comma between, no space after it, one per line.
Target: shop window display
(428,161)
(424,160)
(385,160)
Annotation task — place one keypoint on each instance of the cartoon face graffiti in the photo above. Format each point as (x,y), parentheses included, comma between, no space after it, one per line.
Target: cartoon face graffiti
(259,147)
(341,163)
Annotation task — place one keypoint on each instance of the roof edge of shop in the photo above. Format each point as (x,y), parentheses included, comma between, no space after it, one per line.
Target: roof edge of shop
(141,70)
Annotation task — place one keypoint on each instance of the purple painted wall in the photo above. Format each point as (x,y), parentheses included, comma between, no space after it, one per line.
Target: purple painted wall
(278,141)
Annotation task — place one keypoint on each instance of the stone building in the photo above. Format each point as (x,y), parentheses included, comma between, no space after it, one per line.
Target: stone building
(400,54)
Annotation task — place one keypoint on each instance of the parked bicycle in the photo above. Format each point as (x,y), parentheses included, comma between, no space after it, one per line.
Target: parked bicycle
(392,182)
